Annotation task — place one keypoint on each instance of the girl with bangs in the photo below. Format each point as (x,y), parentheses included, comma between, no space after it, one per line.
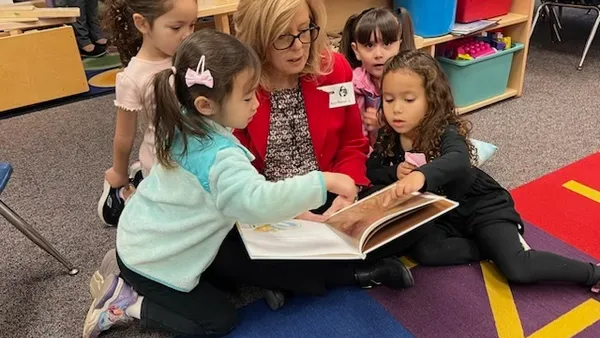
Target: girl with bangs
(369,40)
(418,115)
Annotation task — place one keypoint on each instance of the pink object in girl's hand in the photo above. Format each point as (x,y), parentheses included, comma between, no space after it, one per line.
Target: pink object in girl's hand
(416,159)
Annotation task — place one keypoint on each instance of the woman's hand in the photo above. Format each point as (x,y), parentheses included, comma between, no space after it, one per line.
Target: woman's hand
(371,120)
(404,169)
(309,216)
(338,204)
(115,179)
(341,184)
(411,183)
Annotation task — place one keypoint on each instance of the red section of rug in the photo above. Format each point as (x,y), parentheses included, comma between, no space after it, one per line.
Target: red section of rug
(563,213)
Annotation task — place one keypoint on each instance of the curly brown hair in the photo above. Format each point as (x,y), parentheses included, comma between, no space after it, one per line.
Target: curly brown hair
(118,20)
(441,111)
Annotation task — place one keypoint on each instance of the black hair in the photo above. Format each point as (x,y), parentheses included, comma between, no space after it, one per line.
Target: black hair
(176,116)
(360,27)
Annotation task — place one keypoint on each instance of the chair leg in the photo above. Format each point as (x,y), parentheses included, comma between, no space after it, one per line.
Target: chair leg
(590,39)
(537,16)
(34,236)
(557,17)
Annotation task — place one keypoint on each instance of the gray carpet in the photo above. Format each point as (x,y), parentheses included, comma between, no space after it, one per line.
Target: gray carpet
(60,155)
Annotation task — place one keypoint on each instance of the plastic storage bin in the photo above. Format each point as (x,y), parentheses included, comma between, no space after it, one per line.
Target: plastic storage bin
(473,10)
(431,18)
(475,80)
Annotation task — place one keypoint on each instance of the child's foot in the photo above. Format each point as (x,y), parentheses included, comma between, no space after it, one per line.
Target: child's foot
(102,42)
(596,288)
(92,51)
(109,309)
(108,267)
(390,272)
(275,299)
(135,174)
(110,205)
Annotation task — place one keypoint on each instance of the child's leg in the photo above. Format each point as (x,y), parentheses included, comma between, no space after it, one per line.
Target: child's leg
(204,311)
(445,245)
(303,276)
(501,242)
(93,21)
(82,33)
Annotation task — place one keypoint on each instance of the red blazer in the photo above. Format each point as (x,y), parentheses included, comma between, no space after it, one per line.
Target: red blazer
(336,133)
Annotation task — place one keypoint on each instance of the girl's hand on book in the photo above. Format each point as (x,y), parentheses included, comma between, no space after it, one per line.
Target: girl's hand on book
(341,184)
(413,182)
(404,169)
(338,204)
(309,216)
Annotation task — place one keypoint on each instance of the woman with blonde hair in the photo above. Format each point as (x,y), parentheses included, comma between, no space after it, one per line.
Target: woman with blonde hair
(303,123)
(307,120)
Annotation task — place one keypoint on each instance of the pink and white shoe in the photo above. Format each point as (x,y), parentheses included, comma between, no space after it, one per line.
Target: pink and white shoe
(109,309)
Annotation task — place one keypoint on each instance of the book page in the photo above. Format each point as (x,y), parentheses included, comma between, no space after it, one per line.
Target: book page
(409,222)
(295,239)
(358,220)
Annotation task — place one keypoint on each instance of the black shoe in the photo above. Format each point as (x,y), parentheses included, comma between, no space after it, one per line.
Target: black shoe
(135,173)
(110,205)
(137,179)
(388,271)
(275,299)
(97,52)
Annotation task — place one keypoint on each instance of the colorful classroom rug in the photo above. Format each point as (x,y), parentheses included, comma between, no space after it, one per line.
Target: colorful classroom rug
(566,204)
(472,300)
(461,301)
(101,73)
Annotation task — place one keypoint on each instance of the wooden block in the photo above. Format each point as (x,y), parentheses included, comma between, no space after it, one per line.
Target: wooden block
(7,26)
(39,67)
(35,3)
(17,7)
(18,19)
(70,12)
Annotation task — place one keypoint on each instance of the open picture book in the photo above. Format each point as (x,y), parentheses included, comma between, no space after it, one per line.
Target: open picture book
(350,233)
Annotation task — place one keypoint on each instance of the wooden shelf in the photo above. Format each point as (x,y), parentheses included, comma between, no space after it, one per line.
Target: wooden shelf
(505,21)
(216,7)
(507,94)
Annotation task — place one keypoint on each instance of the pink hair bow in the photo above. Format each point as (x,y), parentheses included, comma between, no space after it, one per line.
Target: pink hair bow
(199,76)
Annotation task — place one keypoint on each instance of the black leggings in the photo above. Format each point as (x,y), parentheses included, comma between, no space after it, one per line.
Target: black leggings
(202,312)
(500,243)
(233,265)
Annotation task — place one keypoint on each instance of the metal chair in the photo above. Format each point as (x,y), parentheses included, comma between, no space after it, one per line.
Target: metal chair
(24,227)
(549,7)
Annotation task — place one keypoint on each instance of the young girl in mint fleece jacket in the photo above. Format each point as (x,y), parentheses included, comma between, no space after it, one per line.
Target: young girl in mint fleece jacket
(172,227)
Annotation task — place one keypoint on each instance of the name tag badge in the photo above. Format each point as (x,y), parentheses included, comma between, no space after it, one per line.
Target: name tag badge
(340,95)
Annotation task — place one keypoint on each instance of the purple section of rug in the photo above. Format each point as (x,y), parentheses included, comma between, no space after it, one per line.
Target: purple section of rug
(445,302)
(540,304)
(453,302)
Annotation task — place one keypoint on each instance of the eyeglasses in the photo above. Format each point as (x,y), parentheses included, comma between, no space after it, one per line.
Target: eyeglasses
(305,36)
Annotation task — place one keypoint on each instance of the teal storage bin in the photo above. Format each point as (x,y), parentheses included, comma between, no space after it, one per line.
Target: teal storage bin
(431,18)
(479,79)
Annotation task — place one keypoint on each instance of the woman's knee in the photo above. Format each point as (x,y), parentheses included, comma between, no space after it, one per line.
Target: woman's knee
(224,322)
(425,254)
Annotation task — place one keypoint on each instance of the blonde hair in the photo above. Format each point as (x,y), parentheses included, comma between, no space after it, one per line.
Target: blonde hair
(260,23)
